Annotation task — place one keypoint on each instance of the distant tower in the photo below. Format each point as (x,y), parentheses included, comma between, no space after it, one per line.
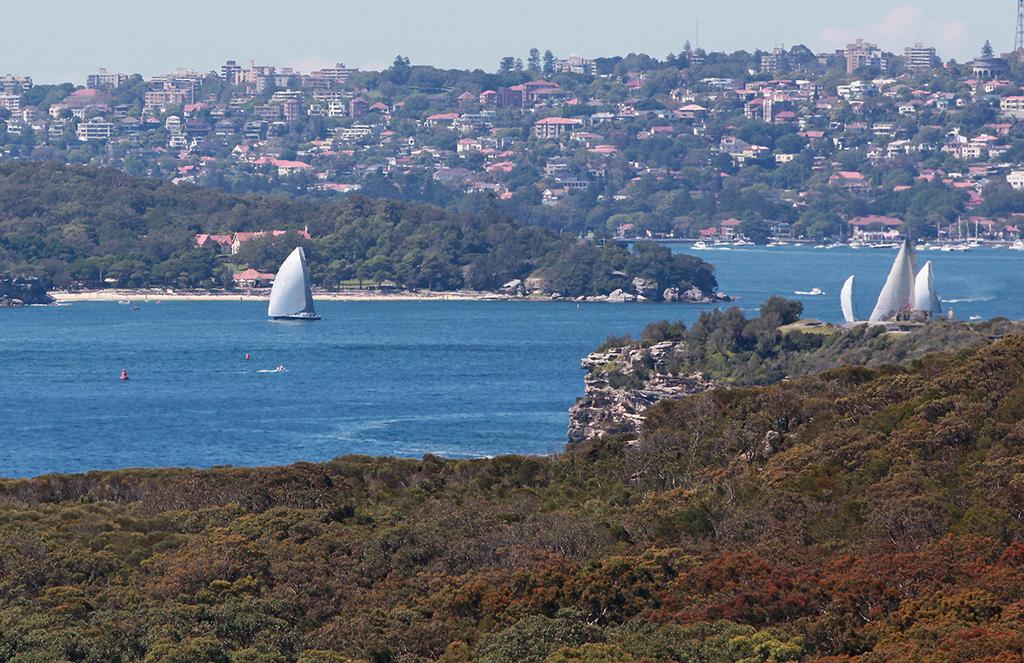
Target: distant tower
(1019,43)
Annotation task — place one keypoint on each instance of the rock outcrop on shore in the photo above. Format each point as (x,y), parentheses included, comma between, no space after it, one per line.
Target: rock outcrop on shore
(621,384)
(640,290)
(22,291)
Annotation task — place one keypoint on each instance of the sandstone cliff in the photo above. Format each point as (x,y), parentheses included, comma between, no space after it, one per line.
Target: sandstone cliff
(622,383)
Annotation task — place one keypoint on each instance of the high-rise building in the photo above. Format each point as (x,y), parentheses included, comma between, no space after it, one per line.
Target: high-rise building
(105,79)
(775,62)
(231,72)
(575,64)
(339,73)
(862,54)
(920,57)
(11,84)
(10,102)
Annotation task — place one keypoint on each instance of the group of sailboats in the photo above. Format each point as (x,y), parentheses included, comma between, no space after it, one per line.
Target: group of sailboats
(908,294)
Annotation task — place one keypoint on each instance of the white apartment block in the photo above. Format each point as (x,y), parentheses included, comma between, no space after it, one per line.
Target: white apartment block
(97,129)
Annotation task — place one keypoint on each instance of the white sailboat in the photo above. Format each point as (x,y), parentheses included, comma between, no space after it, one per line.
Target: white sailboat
(846,300)
(926,300)
(291,297)
(898,293)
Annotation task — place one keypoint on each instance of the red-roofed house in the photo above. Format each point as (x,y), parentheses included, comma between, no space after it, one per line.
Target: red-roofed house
(730,229)
(849,179)
(222,243)
(243,237)
(441,119)
(284,167)
(489,98)
(875,228)
(250,278)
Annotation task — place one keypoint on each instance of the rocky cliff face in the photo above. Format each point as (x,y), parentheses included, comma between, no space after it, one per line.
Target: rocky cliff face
(622,383)
(19,291)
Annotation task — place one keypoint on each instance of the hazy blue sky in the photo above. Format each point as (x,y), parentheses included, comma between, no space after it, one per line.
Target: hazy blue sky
(66,39)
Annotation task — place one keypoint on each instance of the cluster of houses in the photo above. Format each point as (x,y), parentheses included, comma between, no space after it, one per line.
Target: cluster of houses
(476,140)
(229,244)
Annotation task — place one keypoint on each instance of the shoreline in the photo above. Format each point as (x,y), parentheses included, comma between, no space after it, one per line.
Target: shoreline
(134,295)
(252,296)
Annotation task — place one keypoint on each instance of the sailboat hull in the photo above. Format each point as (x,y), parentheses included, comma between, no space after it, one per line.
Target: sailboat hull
(309,317)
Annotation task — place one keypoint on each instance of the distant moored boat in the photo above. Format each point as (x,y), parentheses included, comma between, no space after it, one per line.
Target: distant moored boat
(291,297)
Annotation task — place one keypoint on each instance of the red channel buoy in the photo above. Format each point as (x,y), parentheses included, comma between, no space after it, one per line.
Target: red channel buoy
(124,375)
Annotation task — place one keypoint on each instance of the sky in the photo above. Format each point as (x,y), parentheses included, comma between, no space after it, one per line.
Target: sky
(64,40)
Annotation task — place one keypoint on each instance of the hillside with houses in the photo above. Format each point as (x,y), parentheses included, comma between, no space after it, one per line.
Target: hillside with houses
(697,144)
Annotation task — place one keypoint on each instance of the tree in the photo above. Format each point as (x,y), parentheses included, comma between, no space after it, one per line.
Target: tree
(533,62)
(519,64)
(549,63)
(507,65)
(986,50)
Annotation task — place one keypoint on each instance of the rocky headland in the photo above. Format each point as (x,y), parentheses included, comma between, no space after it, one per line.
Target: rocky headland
(22,291)
(622,383)
(636,290)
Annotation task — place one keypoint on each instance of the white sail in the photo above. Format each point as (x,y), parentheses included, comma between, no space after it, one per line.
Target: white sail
(926,300)
(291,296)
(846,300)
(898,293)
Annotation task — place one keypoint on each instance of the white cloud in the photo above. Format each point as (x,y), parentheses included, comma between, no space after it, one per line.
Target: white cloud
(902,26)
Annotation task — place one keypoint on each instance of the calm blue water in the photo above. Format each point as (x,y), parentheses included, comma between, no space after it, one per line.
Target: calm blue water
(985,282)
(460,379)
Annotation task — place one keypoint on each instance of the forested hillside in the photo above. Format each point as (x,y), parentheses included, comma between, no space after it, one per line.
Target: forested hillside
(93,227)
(858,515)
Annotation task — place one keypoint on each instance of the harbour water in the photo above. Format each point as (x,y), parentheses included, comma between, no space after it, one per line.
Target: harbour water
(459,379)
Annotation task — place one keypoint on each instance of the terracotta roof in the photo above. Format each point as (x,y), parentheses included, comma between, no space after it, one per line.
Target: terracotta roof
(872,220)
(558,120)
(252,275)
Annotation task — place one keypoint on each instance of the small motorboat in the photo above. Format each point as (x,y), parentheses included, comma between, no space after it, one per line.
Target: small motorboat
(813,292)
(700,246)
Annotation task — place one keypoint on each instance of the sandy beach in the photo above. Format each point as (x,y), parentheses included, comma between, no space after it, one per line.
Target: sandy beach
(262,296)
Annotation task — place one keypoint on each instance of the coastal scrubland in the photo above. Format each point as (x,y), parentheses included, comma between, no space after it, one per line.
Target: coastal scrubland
(860,514)
(731,349)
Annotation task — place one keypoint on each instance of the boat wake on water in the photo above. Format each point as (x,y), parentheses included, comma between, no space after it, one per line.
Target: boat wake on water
(968,300)
(279,369)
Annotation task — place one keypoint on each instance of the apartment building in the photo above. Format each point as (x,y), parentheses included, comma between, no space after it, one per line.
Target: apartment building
(10,102)
(575,64)
(920,57)
(339,73)
(865,54)
(775,62)
(105,79)
(11,84)
(95,129)
(554,127)
(231,72)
